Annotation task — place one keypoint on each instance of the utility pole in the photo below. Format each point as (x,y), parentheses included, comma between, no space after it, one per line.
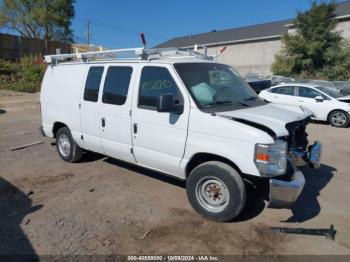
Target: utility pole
(88,33)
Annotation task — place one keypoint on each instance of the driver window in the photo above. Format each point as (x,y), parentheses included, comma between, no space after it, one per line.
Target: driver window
(308,92)
(156,81)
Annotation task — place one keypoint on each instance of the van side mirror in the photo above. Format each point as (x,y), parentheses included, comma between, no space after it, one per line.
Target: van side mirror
(319,99)
(166,103)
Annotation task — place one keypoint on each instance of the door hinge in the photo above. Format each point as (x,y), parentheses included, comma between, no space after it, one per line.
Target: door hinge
(82,137)
(130,113)
(79,105)
(131,151)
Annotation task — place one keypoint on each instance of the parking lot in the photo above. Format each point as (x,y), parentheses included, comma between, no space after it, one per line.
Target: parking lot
(104,206)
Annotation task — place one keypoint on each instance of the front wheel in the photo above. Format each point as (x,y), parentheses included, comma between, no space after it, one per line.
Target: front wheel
(68,150)
(339,118)
(216,191)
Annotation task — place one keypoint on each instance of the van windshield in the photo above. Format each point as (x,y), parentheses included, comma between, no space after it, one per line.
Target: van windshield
(217,87)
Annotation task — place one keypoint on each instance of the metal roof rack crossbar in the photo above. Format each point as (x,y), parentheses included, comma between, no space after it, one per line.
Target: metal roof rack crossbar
(137,53)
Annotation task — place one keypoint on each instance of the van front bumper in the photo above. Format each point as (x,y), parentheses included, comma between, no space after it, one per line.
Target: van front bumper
(285,193)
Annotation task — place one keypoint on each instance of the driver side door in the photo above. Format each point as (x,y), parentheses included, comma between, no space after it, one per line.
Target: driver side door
(159,138)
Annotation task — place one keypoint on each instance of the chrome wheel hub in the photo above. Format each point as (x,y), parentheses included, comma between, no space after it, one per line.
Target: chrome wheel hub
(64,145)
(338,119)
(212,194)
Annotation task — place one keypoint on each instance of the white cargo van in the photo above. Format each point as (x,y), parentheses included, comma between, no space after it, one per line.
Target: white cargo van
(180,113)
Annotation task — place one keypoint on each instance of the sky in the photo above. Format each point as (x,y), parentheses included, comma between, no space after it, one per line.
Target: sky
(118,23)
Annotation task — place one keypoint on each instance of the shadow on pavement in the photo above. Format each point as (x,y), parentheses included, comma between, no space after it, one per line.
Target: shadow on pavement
(2,111)
(307,205)
(305,208)
(254,204)
(91,157)
(147,172)
(14,206)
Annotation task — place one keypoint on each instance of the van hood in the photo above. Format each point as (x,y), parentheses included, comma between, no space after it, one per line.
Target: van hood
(273,117)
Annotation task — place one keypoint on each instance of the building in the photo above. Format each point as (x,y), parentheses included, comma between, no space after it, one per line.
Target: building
(252,48)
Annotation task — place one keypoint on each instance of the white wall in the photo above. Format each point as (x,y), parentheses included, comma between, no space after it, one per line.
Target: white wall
(344,27)
(257,57)
(254,57)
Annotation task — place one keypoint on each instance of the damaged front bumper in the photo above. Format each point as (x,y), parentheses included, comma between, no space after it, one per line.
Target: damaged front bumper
(284,193)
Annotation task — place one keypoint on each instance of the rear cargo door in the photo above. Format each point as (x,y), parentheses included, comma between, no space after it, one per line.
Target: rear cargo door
(89,109)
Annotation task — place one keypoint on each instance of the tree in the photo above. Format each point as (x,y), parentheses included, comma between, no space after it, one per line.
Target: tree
(45,19)
(316,49)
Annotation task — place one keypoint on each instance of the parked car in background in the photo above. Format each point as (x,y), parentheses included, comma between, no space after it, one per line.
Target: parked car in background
(258,83)
(343,86)
(276,80)
(326,103)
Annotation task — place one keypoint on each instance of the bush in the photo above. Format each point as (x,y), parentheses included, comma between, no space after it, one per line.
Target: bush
(24,76)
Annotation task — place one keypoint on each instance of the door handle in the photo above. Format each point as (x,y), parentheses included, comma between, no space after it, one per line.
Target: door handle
(275,96)
(103,122)
(135,128)
(301,101)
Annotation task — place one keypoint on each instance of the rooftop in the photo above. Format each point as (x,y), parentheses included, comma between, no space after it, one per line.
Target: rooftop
(243,34)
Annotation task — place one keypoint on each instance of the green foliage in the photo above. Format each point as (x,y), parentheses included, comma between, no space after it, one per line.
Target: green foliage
(315,50)
(45,19)
(23,76)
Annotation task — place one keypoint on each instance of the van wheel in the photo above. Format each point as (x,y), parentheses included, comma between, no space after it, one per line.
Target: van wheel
(216,191)
(339,118)
(68,150)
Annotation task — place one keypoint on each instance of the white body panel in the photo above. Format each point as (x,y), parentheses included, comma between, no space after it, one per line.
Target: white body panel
(116,135)
(160,140)
(164,141)
(320,110)
(62,89)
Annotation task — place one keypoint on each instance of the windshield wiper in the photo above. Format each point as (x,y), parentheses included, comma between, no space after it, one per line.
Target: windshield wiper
(227,103)
(251,98)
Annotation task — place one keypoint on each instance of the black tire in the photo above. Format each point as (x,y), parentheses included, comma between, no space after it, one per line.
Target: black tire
(74,153)
(339,118)
(200,179)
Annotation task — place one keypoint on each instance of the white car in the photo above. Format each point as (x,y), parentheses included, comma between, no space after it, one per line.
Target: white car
(326,103)
(179,113)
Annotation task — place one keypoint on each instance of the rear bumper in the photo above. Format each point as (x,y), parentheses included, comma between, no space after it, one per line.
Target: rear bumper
(285,193)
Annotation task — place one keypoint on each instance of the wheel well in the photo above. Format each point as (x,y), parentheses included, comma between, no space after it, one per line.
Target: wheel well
(201,158)
(334,111)
(56,127)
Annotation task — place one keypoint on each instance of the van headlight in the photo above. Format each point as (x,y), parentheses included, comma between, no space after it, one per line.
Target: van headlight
(271,159)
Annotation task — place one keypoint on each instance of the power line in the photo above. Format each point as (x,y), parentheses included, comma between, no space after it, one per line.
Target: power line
(120,28)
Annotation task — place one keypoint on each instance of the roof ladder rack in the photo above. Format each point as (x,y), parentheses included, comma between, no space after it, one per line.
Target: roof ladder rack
(138,54)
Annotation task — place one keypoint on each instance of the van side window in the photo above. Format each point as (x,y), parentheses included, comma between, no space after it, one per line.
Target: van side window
(116,85)
(92,84)
(156,81)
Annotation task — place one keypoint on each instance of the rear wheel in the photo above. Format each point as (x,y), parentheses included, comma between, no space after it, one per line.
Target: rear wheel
(339,118)
(216,191)
(68,150)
